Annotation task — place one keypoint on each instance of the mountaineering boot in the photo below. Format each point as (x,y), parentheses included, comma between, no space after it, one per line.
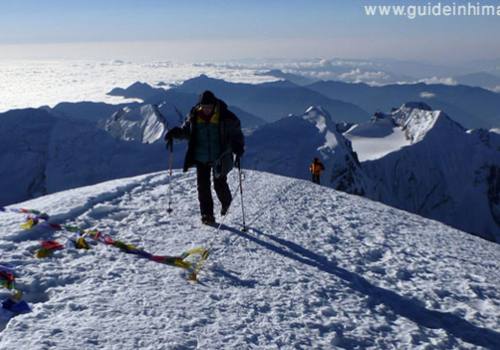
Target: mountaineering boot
(224,209)
(208,220)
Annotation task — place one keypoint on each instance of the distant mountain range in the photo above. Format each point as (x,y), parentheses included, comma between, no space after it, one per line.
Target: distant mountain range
(482,79)
(294,78)
(273,101)
(472,107)
(268,102)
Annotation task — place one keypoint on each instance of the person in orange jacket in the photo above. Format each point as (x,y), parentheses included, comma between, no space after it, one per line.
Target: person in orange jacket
(316,168)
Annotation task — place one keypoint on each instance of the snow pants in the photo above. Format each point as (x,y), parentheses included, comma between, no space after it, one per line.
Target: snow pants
(203,174)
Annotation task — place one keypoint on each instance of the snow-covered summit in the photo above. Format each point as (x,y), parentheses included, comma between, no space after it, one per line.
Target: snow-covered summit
(317,269)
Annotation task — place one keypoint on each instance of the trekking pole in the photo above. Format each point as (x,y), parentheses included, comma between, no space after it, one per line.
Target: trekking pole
(241,197)
(170,147)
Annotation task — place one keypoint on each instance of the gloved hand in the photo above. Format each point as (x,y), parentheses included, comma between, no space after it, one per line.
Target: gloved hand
(173,133)
(237,161)
(238,150)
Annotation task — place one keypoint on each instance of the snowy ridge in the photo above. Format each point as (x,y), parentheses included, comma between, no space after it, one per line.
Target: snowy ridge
(320,117)
(288,146)
(322,270)
(342,166)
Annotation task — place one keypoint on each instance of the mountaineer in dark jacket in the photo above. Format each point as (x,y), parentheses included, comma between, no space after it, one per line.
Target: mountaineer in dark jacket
(214,134)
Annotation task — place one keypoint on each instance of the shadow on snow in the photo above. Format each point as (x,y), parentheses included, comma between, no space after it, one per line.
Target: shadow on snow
(413,310)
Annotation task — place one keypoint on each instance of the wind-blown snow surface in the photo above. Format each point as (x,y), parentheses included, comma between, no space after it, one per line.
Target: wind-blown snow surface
(317,269)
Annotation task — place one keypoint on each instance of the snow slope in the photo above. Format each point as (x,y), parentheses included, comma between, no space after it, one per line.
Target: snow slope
(317,269)
(376,138)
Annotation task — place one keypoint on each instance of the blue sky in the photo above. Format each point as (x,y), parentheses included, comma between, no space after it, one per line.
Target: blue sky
(235,29)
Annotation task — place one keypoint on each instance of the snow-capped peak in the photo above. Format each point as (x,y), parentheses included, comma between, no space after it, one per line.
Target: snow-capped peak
(145,124)
(417,119)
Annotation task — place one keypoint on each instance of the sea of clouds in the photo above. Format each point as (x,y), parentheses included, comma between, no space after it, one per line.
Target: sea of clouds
(35,83)
(38,83)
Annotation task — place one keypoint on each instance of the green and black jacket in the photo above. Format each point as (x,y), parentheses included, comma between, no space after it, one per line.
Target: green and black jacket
(230,137)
